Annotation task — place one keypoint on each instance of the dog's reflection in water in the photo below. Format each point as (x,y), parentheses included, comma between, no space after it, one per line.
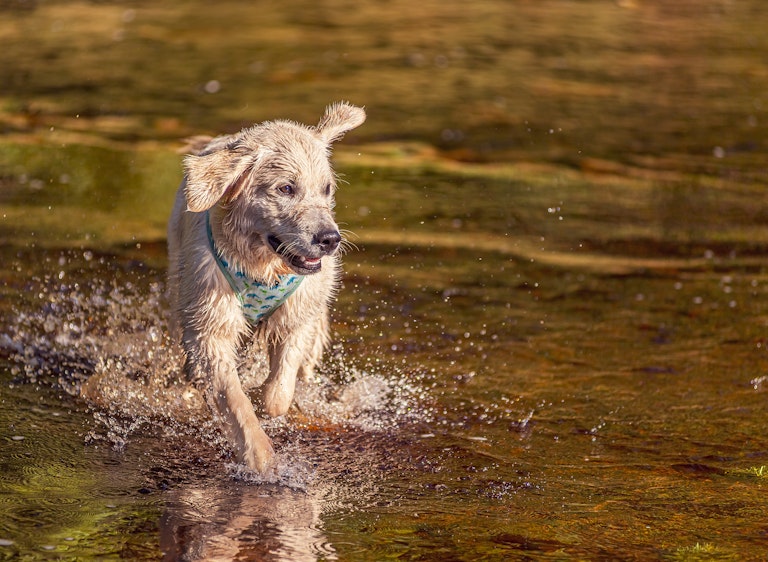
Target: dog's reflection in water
(235,521)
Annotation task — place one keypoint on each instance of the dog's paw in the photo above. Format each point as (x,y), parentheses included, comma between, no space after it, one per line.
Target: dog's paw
(259,454)
(276,398)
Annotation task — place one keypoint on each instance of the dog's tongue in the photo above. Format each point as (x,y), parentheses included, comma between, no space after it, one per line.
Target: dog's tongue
(311,261)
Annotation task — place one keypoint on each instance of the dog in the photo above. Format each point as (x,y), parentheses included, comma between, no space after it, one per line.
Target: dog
(253,251)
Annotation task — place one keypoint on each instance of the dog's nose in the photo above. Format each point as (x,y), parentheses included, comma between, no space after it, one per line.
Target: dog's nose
(328,240)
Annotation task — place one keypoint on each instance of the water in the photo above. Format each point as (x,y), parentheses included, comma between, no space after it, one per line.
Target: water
(550,343)
(105,346)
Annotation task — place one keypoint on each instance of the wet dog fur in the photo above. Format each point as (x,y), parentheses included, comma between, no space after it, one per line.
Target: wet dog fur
(269,192)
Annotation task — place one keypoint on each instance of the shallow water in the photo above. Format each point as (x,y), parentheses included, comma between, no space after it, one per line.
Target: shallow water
(550,343)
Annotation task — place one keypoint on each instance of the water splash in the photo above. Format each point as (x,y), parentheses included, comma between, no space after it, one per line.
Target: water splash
(78,331)
(291,470)
(108,344)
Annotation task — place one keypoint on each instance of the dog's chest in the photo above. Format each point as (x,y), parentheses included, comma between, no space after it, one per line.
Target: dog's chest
(258,300)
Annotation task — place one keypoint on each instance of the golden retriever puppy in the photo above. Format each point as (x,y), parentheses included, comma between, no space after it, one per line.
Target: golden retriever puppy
(253,251)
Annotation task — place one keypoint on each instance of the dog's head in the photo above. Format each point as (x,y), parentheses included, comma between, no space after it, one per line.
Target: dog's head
(274,186)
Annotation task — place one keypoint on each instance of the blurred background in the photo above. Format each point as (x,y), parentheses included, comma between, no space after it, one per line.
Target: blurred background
(555,81)
(550,339)
(621,88)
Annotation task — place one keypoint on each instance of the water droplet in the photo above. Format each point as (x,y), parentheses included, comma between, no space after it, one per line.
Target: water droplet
(212,87)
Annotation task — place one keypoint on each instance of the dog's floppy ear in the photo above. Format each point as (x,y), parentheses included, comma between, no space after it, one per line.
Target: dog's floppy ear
(210,177)
(339,118)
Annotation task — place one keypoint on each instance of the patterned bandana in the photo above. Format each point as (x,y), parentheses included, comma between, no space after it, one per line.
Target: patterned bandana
(257,299)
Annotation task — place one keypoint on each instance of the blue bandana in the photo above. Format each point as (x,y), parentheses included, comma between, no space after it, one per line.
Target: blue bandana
(257,299)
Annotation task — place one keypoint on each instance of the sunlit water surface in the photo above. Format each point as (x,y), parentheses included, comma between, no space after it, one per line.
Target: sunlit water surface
(610,417)
(549,344)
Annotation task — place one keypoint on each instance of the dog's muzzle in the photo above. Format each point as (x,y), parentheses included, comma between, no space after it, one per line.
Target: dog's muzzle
(323,244)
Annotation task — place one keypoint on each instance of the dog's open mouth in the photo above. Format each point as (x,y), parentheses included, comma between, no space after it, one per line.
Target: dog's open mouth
(301,264)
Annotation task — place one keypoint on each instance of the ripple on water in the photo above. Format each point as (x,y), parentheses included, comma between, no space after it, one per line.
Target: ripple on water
(218,519)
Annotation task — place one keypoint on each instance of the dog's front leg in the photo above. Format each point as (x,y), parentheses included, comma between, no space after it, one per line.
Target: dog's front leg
(231,405)
(286,356)
(252,445)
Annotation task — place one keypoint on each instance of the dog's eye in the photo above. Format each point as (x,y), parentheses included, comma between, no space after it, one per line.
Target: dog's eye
(328,190)
(286,189)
